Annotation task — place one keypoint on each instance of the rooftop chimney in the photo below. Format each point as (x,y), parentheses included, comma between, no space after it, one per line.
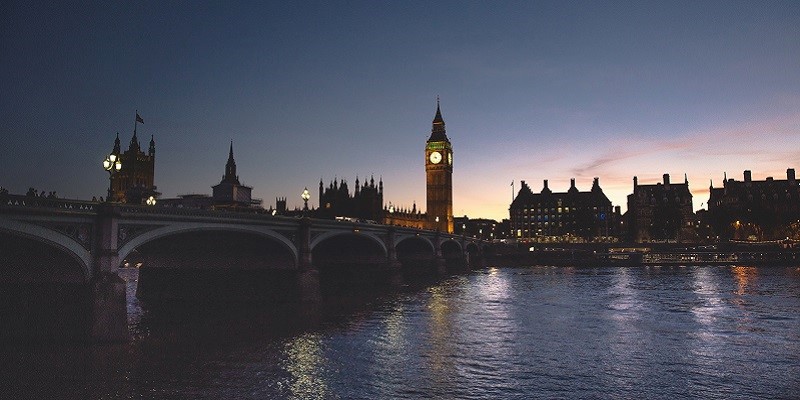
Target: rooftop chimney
(748,176)
(666,179)
(790,176)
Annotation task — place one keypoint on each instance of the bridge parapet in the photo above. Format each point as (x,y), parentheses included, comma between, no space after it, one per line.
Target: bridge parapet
(10,203)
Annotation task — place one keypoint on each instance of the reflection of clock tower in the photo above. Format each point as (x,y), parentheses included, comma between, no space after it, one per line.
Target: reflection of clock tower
(439,176)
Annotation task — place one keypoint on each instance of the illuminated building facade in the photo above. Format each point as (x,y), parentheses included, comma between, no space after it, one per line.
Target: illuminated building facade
(401,216)
(439,176)
(562,216)
(661,212)
(756,210)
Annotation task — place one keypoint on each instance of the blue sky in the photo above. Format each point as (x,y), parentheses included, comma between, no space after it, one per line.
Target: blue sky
(529,91)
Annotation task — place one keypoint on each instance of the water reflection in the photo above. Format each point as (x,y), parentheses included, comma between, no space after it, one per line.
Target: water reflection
(305,362)
(546,332)
(441,335)
(745,278)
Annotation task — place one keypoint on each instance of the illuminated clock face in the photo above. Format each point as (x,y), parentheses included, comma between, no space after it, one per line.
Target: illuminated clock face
(436,157)
(450,158)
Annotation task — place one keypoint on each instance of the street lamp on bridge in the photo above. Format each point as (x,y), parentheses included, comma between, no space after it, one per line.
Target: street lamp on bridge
(112,165)
(305,196)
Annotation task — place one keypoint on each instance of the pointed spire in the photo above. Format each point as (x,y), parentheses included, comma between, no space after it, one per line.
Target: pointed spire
(685,178)
(117,149)
(134,144)
(438,133)
(152,150)
(438,118)
(230,168)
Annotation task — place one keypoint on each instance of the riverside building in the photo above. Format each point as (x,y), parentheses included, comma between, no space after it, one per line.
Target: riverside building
(571,216)
(756,210)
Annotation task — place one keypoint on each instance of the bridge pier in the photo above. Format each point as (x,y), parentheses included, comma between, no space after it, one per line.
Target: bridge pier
(109,319)
(307,275)
(393,265)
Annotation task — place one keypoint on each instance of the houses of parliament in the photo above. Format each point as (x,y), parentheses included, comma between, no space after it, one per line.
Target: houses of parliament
(135,182)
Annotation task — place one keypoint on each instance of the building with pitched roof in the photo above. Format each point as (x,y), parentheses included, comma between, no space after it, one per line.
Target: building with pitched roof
(660,212)
(573,215)
(755,210)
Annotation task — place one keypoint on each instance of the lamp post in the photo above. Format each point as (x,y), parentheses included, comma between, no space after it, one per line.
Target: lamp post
(112,165)
(151,201)
(305,196)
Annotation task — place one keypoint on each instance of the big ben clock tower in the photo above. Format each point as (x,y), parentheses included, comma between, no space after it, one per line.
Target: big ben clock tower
(439,176)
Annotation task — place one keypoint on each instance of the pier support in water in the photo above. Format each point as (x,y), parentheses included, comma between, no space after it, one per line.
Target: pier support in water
(109,312)
(109,323)
(307,275)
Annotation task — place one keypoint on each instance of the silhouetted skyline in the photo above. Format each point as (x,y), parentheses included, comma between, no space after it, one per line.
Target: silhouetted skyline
(529,90)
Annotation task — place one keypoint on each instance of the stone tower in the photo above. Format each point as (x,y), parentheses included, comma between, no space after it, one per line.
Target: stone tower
(134,182)
(439,176)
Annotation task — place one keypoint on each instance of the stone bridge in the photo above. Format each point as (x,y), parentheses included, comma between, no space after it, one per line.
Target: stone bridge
(55,240)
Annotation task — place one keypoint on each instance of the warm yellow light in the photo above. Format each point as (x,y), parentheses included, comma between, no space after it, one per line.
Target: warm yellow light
(107,164)
(112,157)
(118,165)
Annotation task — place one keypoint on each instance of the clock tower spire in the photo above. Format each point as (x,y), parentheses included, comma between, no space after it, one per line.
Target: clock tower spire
(439,176)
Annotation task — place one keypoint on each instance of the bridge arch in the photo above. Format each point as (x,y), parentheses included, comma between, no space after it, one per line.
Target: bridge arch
(180,228)
(451,245)
(423,239)
(328,235)
(51,238)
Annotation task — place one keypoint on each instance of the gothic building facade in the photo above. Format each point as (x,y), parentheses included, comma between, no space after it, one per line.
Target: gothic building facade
(660,213)
(134,182)
(366,202)
(756,210)
(562,216)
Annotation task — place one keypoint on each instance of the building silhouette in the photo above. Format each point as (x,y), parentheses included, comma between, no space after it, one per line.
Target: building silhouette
(660,213)
(756,210)
(439,176)
(134,182)
(562,216)
(229,194)
(365,203)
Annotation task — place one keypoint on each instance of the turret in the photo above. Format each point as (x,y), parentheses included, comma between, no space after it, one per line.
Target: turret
(152,151)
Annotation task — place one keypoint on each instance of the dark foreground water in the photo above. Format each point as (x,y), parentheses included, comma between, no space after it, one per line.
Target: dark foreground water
(538,332)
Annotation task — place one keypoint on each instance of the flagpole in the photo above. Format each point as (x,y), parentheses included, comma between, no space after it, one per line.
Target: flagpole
(135,120)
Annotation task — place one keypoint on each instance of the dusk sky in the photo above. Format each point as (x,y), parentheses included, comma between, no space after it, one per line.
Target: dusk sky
(529,91)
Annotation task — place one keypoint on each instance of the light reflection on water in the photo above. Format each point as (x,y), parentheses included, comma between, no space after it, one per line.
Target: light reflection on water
(305,362)
(538,332)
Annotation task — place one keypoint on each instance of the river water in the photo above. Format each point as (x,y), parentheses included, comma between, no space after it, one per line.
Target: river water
(496,333)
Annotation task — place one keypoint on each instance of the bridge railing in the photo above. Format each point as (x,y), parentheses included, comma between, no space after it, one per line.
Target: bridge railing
(11,201)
